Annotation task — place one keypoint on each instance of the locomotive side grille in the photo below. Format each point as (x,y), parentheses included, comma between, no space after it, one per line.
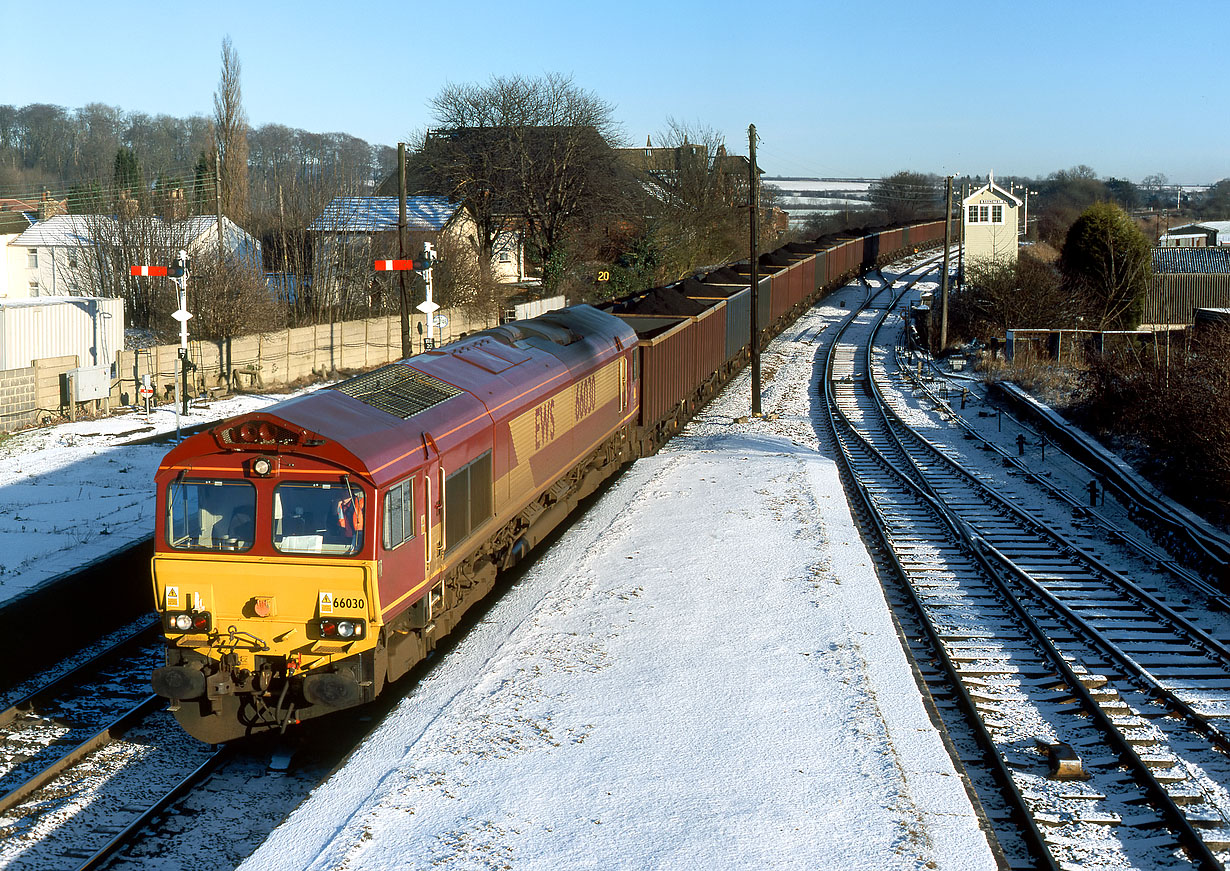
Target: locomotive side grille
(397,389)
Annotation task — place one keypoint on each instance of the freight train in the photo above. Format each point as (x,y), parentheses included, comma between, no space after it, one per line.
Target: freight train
(310,553)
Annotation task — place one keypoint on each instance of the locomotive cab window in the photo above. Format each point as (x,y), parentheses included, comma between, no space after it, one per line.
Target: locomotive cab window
(318,518)
(467,500)
(211,515)
(398,518)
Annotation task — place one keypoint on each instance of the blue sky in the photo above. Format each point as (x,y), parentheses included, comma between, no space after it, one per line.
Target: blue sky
(834,88)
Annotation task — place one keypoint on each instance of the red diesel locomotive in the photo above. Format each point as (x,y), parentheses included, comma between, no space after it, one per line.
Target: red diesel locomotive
(307,553)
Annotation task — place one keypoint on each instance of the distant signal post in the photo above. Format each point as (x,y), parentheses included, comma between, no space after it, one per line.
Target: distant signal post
(422,264)
(177,272)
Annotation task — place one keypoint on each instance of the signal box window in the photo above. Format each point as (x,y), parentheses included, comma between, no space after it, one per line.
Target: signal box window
(467,500)
(211,515)
(318,518)
(398,514)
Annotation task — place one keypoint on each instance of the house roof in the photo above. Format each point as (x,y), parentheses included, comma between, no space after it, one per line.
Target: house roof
(1200,228)
(12,204)
(992,187)
(379,214)
(1191,260)
(63,230)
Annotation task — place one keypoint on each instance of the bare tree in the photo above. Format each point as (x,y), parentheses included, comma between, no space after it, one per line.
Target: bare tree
(230,136)
(696,196)
(908,196)
(535,151)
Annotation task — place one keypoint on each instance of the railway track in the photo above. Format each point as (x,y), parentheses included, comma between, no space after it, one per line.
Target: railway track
(89,755)
(1098,699)
(95,773)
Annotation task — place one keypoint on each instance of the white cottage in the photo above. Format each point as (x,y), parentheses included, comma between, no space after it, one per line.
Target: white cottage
(990,220)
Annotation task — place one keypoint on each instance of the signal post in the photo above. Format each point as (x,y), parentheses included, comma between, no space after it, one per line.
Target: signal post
(421,264)
(178,273)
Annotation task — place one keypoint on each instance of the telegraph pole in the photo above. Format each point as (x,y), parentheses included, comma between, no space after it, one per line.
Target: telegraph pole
(404,298)
(944,274)
(754,201)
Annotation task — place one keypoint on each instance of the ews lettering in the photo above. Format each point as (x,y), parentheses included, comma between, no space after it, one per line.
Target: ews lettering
(544,424)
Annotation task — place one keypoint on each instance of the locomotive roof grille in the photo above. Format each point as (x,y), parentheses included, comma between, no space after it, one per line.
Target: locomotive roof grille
(397,389)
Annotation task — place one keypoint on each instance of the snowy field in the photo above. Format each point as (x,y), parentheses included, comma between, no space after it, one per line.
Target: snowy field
(821,186)
(72,493)
(802,198)
(702,673)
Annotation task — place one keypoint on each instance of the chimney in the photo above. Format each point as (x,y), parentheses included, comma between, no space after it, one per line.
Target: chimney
(128,207)
(177,210)
(49,208)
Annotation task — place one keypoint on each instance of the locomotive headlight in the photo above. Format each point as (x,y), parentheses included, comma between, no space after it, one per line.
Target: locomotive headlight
(348,629)
(189,621)
(262,466)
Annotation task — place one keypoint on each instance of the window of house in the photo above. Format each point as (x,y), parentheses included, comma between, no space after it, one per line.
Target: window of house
(973,215)
(505,256)
(398,524)
(984,214)
(997,214)
(33,288)
(32,258)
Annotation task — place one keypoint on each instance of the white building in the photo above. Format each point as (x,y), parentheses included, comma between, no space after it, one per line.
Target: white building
(989,216)
(1203,234)
(74,255)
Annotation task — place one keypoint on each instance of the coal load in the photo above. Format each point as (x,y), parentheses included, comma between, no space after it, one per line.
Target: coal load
(775,260)
(725,275)
(662,301)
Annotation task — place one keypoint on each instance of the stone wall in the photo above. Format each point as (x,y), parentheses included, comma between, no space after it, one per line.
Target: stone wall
(38,394)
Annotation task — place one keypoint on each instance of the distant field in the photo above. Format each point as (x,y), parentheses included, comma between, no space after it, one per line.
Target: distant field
(801,197)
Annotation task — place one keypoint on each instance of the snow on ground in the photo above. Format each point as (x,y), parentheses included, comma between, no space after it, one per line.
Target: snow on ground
(72,493)
(702,673)
(729,694)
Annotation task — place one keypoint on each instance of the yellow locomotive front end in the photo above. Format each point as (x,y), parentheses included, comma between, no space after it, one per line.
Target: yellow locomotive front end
(265,579)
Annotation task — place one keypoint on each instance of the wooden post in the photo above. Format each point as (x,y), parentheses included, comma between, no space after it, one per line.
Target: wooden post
(944,274)
(754,209)
(401,249)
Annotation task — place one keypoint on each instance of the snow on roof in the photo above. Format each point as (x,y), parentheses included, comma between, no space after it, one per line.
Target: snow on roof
(379,214)
(1200,228)
(75,230)
(61,230)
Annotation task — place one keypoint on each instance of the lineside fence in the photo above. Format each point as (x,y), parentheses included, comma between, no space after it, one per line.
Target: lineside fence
(39,394)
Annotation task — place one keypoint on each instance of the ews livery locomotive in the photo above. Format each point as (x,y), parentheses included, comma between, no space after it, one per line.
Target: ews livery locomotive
(310,552)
